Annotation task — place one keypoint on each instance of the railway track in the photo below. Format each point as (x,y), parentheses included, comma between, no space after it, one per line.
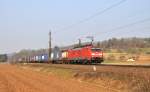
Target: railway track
(93,67)
(119,65)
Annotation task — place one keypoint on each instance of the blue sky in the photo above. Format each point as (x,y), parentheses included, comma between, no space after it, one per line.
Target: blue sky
(24,24)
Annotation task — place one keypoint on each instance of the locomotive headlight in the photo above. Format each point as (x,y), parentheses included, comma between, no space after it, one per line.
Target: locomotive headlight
(93,53)
(100,54)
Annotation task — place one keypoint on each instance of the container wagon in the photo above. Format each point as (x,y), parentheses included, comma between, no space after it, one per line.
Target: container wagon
(81,55)
(3,57)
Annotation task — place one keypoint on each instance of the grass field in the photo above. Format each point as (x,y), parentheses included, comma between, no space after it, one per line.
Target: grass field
(119,79)
(123,58)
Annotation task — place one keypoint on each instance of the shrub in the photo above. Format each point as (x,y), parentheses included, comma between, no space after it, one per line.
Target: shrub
(122,58)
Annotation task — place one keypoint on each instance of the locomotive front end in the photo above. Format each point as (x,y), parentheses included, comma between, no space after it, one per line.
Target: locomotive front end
(96,55)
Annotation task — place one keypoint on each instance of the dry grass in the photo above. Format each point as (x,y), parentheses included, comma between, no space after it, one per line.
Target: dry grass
(123,58)
(118,78)
(127,80)
(64,73)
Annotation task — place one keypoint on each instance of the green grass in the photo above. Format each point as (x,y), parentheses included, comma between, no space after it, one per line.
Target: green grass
(61,72)
(65,73)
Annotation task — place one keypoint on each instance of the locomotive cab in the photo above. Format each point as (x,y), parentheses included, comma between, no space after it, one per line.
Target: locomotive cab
(96,55)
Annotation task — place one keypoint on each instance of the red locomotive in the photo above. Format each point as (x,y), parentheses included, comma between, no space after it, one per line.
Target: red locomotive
(83,55)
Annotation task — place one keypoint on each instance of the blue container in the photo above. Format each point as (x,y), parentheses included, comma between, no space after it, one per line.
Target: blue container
(44,58)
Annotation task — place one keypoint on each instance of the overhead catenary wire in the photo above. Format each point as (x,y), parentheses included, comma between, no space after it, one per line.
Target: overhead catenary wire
(94,15)
(139,33)
(110,31)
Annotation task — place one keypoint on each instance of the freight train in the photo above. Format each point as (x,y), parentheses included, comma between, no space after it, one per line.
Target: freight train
(81,55)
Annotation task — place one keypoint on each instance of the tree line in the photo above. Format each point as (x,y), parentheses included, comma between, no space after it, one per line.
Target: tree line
(124,43)
(132,45)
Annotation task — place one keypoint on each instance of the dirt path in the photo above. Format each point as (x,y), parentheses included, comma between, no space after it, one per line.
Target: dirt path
(13,79)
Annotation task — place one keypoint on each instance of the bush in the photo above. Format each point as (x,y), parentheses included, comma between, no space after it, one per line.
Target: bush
(122,58)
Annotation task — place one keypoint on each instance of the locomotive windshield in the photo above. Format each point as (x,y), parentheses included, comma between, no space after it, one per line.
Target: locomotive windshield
(96,49)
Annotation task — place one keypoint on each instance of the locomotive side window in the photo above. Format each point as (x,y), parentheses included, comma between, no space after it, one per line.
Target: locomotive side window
(96,49)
